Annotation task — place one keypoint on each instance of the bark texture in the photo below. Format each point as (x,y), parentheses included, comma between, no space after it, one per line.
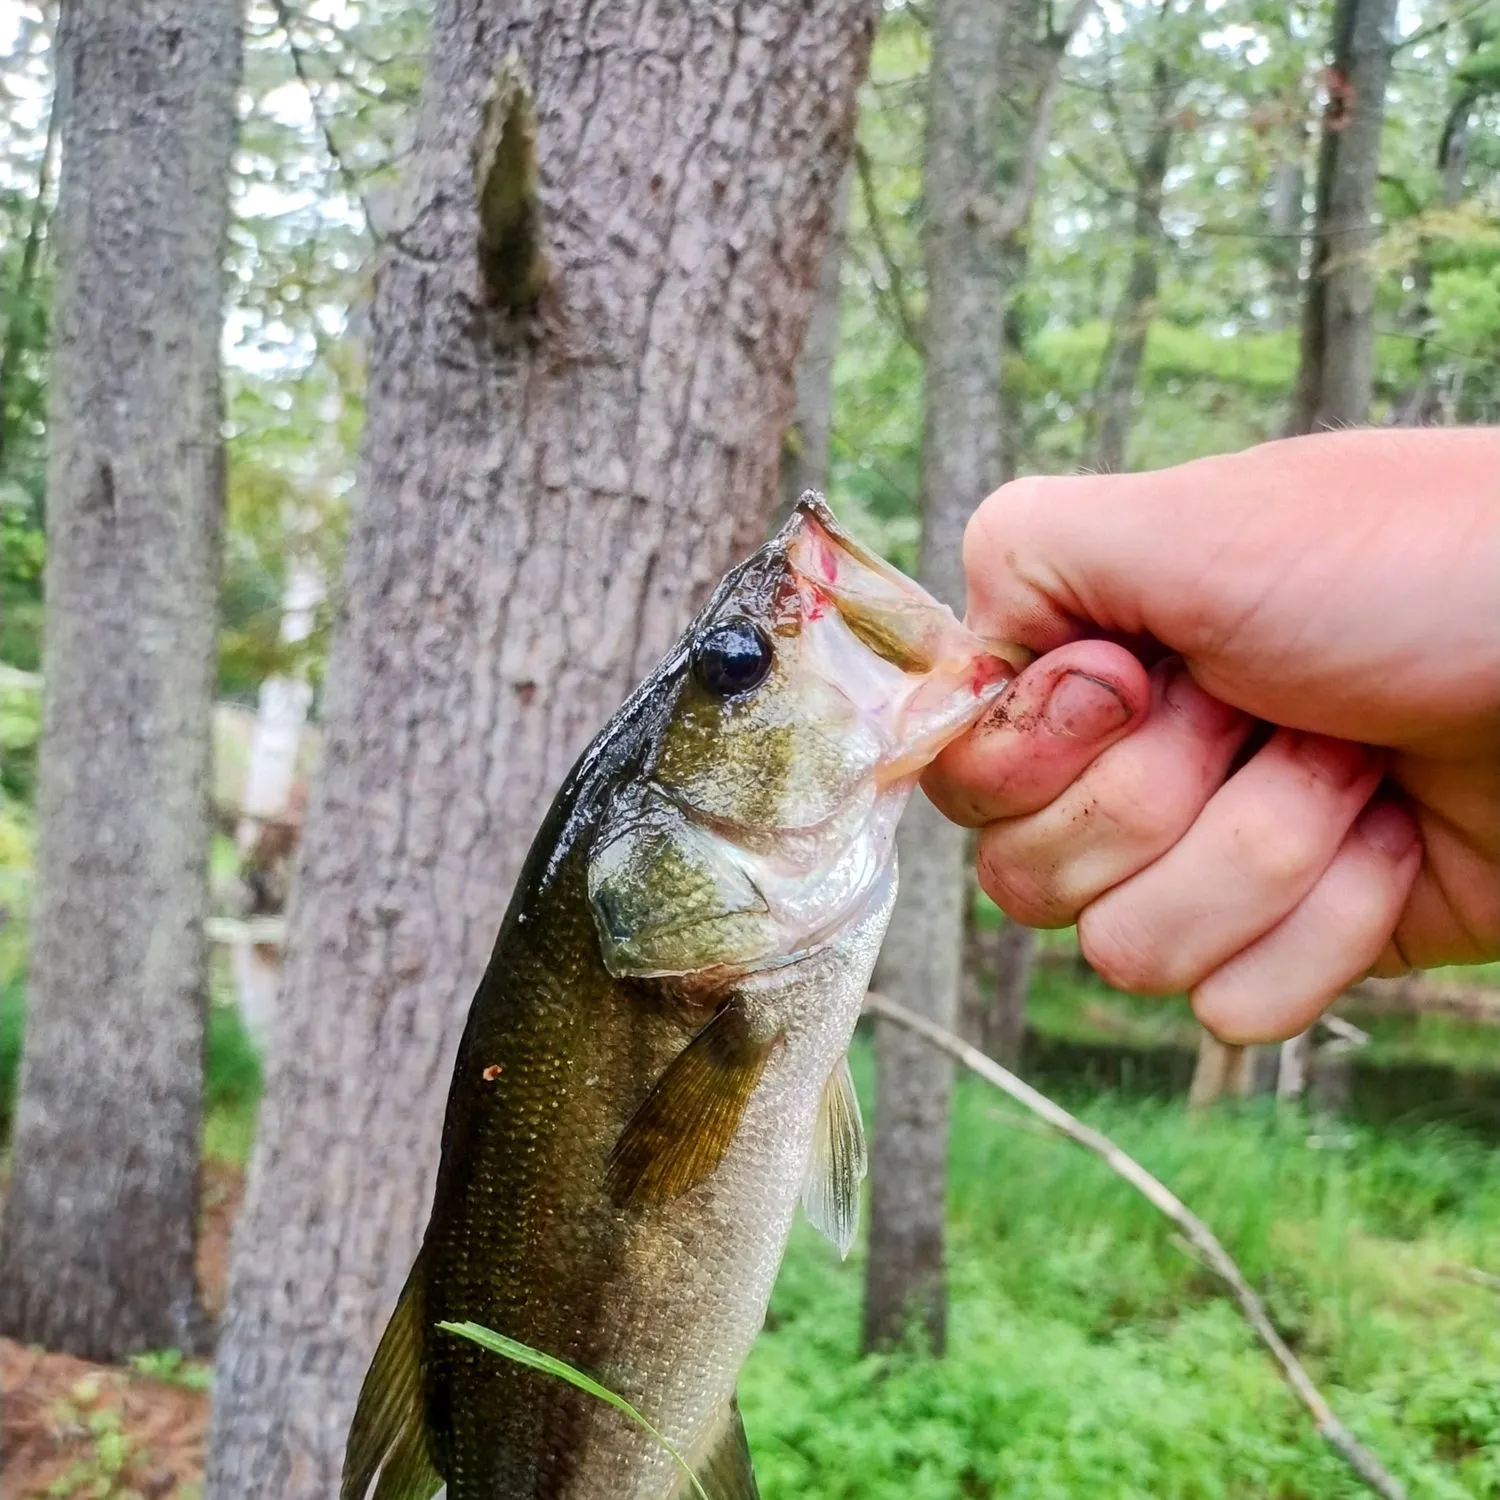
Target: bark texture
(1120,369)
(806,447)
(96,1254)
(1336,374)
(547,496)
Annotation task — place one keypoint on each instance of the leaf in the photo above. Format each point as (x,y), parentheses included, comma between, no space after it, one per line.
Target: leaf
(524,1354)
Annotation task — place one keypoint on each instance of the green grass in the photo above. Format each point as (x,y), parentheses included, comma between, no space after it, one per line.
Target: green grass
(1090,1355)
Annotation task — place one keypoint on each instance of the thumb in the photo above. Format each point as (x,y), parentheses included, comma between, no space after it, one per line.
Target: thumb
(1054,560)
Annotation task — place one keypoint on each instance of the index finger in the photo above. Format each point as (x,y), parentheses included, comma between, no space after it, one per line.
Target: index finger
(1062,712)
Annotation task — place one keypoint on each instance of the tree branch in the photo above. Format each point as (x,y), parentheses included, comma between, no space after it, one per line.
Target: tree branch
(895,281)
(1200,1236)
(1015,207)
(286,21)
(1423,33)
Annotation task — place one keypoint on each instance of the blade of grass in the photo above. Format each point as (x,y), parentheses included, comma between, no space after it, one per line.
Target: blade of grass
(524,1354)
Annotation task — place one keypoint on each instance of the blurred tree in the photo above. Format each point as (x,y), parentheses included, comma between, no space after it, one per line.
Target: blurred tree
(1437,385)
(1113,405)
(805,448)
(25,320)
(96,1253)
(28,131)
(1336,373)
(581,370)
(976,199)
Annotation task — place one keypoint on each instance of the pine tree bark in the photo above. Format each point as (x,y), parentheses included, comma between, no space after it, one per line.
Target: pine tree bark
(1120,369)
(1336,374)
(574,424)
(96,1254)
(965,238)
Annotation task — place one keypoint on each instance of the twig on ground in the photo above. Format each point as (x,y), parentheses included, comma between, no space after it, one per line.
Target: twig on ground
(1475,1275)
(1199,1235)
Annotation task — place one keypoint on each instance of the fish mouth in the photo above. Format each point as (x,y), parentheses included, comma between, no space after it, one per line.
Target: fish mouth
(944,675)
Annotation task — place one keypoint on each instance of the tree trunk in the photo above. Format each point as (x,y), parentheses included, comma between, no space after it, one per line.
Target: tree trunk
(580,373)
(971,150)
(1221,1069)
(99,1229)
(1430,400)
(1119,371)
(1031,53)
(1336,375)
(1005,1017)
(806,446)
(1285,218)
(1294,1065)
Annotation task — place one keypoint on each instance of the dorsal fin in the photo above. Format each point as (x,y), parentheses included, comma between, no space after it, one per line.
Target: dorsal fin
(389,1433)
(830,1193)
(722,1461)
(684,1127)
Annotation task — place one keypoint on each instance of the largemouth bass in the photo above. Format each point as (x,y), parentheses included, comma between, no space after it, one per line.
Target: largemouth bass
(653,1072)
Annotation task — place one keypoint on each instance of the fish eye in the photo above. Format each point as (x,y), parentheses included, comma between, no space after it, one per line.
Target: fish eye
(732,657)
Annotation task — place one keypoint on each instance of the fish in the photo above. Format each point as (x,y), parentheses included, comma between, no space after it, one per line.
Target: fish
(653,1071)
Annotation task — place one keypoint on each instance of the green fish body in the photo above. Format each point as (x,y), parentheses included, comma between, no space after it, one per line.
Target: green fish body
(652,1073)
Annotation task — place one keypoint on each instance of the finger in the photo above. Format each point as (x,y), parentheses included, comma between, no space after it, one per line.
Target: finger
(1256,850)
(1059,714)
(1281,983)
(1124,811)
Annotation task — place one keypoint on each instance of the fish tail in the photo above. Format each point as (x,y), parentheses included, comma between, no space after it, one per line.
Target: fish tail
(389,1434)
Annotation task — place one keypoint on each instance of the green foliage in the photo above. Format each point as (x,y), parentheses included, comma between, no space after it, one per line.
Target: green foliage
(173,1367)
(231,1064)
(100,1475)
(1090,1355)
(20,729)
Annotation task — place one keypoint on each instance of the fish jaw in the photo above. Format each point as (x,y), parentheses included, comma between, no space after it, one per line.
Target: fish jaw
(907,665)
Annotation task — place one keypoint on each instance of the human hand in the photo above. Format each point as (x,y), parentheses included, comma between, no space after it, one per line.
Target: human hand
(1344,588)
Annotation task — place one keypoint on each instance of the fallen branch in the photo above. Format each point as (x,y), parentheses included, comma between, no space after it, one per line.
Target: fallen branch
(1474,1276)
(1416,994)
(1199,1235)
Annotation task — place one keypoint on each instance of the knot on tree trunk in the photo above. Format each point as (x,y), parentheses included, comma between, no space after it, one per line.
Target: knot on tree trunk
(512,266)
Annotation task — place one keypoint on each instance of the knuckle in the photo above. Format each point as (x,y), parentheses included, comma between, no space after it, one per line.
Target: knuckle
(1143,808)
(1117,955)
(1276,851)
(1220,1010)
(991,529)
(1019,889)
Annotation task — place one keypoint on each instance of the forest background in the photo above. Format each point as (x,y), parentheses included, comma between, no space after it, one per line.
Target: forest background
(1160,227)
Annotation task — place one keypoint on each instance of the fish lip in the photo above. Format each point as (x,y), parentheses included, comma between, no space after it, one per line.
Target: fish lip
(812,506)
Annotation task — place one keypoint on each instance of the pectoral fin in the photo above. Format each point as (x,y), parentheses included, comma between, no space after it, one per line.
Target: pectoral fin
(388,1432)
(830,1195)
(681,1132)
(722,1463)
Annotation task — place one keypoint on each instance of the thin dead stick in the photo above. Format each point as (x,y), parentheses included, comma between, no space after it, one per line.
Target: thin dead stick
(1475,1276)
(1200,1236)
